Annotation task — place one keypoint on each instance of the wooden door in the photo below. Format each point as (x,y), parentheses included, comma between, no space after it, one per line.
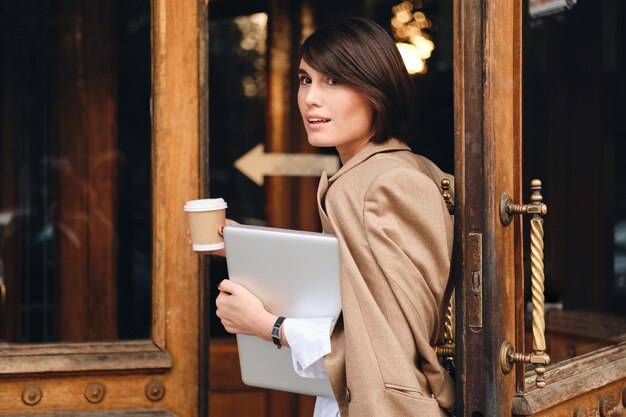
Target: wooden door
(569,138)
(164,374)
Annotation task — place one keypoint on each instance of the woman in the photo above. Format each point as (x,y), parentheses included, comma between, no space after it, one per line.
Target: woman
(394,231)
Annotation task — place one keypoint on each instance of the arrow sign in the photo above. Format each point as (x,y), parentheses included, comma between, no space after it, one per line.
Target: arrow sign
(256,164)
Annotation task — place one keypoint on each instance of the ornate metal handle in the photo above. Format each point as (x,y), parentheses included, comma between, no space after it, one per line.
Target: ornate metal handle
(447,196)
(3,287)
(537,209)
(446,349)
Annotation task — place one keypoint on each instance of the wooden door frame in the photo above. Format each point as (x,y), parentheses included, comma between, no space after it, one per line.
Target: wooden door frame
(140,375)
(488,152)
(487,47)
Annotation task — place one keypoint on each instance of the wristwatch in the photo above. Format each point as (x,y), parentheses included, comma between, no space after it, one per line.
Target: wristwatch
(275,332)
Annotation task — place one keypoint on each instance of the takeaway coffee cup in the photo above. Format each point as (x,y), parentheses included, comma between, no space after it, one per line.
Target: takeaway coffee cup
(205,218)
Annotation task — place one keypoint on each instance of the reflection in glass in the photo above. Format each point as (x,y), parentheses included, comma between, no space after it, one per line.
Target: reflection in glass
(75,225)
(237,98)
(574,139)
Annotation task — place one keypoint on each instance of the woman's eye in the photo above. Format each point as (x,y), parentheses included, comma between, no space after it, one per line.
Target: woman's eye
(305,80)
(333,81)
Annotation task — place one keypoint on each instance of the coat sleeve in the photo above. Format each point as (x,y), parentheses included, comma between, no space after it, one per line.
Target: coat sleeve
(409,232)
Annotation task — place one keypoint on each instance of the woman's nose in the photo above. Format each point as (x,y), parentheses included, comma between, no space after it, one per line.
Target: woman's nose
(312,96)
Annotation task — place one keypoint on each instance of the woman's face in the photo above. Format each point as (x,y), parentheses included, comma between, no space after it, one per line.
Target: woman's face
(333,114)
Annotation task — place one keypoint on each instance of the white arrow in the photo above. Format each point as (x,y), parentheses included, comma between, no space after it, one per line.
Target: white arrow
(256,164)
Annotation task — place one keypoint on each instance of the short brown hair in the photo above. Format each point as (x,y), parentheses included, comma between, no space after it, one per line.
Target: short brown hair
(360,54)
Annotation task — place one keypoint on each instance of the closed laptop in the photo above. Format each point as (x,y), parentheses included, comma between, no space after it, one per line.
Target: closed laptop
(295,274)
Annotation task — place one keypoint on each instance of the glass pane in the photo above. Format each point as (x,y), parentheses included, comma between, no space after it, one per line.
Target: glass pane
(237,102)
(75,209)
(574,136)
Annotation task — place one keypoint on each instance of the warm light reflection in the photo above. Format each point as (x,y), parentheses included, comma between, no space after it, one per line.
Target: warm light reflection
(253,30)
(408,27)
(411,57)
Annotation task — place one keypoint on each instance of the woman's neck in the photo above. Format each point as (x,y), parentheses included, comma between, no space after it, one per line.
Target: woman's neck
(348,150)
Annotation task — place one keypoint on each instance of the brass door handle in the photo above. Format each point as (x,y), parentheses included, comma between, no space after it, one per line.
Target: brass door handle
(537,209)
(447,195)
(447,348)
(3,287)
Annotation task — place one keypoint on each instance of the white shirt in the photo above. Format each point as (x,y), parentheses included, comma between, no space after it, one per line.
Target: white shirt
(309,341)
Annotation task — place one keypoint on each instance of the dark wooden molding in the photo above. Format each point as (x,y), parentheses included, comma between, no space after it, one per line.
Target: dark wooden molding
(203,163)
(82,357)
(572,378)
(487,164)
(121,413)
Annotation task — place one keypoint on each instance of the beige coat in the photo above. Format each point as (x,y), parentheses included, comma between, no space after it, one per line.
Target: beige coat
(395,237)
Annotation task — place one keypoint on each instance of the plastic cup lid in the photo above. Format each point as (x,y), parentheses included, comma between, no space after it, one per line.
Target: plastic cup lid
(206,204)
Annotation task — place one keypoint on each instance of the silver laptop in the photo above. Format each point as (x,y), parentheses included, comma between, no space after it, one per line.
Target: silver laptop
(295,274)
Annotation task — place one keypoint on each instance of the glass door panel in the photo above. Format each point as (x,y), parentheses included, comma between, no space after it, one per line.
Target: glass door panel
(75,183)
(574,140)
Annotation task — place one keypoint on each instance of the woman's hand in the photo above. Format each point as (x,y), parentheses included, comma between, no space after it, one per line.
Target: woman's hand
(242,312)
(219,252)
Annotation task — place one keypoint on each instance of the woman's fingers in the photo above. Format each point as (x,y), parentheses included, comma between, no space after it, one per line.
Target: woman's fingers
(228,222)
(241,311)
(228,286)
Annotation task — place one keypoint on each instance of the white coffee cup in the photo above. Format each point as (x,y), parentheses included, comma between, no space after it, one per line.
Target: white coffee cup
(205,217)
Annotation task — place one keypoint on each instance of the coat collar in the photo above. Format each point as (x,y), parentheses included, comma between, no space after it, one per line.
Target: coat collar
(368,151)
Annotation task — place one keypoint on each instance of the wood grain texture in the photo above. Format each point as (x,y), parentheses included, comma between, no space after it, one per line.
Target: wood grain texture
(101,130)
(225,374)
(239,404)
(588,401)
(468,97)
(87,289)
(584,373)
(290,202)
(571,333)
(66,394)
(73,186)
(177,289)
(517,195)
(203,137)
(280,92)
(501,159)
(177,279)
(82,357)
(225,381)
(486,105)
(120,413)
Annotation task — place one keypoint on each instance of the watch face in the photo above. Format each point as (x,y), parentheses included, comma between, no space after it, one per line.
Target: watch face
(275,332)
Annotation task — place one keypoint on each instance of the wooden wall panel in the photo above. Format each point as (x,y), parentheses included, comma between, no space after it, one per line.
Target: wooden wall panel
(241,404)
(228,390)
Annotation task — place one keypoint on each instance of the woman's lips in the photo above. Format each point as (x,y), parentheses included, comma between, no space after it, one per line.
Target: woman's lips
(314,121)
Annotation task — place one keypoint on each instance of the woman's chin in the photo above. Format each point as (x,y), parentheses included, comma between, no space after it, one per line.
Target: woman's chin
(318,143)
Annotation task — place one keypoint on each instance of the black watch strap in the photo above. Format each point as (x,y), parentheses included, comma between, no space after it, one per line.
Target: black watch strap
(275,332)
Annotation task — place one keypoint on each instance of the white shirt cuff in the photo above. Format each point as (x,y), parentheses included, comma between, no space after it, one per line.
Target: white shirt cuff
(309,341)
